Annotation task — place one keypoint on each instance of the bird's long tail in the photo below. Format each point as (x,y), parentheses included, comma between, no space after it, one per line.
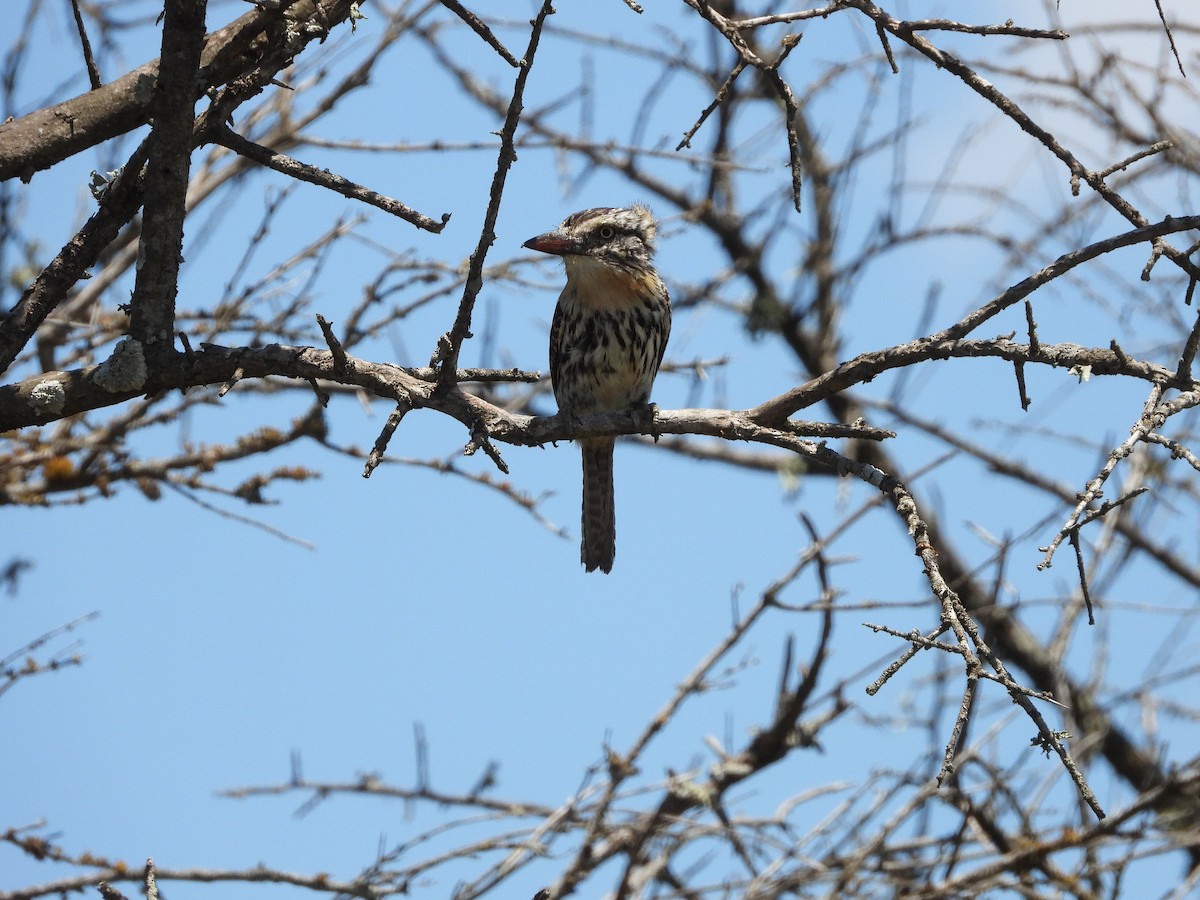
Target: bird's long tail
(599,527)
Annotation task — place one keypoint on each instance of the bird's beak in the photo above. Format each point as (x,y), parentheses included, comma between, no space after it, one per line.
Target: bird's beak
(552,242)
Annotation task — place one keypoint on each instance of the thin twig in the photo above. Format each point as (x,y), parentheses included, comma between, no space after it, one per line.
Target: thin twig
(389,428)
(960,725)
(237,517)
(1170,37)
(480,28)
(918,642)
(293,168)
(1153,415)
(720,98)
(833,381)
(1183,372)
(447,353)
(1010,109)
(771,72)
(1121,166)
(1083,585)
(88,59)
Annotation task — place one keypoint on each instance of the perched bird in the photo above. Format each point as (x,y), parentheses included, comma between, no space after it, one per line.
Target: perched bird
(606,342)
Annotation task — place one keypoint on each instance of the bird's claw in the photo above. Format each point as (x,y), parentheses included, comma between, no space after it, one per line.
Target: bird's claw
(645,417)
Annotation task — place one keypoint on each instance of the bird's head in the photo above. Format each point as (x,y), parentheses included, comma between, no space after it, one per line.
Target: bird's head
(620,238)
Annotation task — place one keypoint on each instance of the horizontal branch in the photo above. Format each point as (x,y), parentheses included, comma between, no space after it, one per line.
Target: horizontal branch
(319,882)
(56,395)
(884,22)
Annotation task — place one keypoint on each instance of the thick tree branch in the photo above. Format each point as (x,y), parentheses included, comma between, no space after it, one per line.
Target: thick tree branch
(122,197)
(46,137)
(25,403)
(152,308)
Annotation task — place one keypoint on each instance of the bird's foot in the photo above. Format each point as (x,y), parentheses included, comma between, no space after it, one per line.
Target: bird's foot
(645,417)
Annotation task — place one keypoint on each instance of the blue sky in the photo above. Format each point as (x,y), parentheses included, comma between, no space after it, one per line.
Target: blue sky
(220,649)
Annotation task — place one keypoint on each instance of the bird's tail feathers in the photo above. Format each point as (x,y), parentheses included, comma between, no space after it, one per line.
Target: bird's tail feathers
(599,526)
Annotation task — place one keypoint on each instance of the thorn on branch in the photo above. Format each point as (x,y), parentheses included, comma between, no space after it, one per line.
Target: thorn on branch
(335,346)
(481,441)
(1157,246)
(1118,352)
(237,376)
(1183,372)
(486,781)
(322,396)
(785,673)
(1019,370)
(381,442)
(422,756)
(887,48)
(1083,585)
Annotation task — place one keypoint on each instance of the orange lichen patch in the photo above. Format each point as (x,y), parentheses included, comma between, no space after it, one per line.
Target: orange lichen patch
(58,469)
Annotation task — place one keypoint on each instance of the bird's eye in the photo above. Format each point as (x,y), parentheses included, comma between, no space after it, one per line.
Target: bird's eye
(607,232)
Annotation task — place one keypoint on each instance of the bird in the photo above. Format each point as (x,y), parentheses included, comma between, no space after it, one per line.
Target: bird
(607,340)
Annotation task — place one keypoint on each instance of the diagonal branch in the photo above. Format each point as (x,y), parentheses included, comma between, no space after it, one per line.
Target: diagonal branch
(948,342)
(480,28)
(293,168)
(770,72)
(120,202)
(1079,172)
